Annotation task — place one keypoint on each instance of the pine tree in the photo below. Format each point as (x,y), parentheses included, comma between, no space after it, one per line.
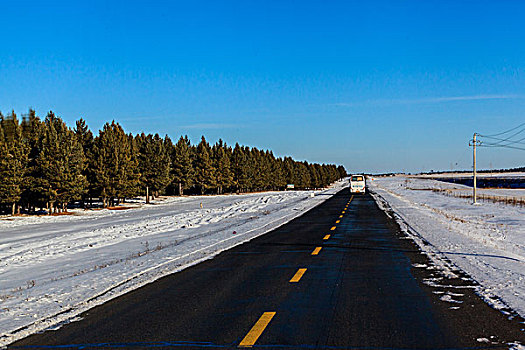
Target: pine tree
(248,168)
(154,163)
(164,174)
(257,171)
(32,131)
(13,161)
(289,172)
(84,135)
(302,175)
(61,164)
(182,165)
(85,138)
(115,165)
(262,170)
(342,171)
(130,185)
(222,164)
(277,180)
(314,176)
(240,168)
(204,169)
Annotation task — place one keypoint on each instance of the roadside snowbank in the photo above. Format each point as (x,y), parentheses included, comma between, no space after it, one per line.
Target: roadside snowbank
(486,241)
(54,268)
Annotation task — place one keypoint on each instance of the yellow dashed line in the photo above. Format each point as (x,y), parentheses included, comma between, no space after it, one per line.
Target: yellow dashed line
(256,330)
(343,212)
(259,327)
(298,275)
(316,250)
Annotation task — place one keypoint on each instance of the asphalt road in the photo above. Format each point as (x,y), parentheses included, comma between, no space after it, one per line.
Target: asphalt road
(341,276)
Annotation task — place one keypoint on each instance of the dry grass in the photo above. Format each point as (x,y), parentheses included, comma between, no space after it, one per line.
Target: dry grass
(119,208)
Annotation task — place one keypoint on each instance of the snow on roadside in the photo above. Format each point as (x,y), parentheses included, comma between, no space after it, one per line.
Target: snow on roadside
(54,268)
(486,241)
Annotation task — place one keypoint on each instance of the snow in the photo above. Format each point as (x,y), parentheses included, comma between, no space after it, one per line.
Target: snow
(413,183)
(54,268)
(486,241)
(514,175)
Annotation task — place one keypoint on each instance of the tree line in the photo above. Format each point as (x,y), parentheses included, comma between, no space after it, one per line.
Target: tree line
(46,164)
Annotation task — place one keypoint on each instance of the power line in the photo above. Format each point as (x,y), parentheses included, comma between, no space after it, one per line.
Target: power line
(504,132)
(509,142)
(508,139)
(505,146)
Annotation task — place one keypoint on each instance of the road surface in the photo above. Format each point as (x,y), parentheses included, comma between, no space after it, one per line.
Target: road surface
(341,276)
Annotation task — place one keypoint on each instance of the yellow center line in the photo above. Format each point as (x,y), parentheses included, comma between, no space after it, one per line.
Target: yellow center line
(256,330)
(298,275)
(343,212)
(338,221)
(326,237)
(333,228)
(340,216)
(316,250)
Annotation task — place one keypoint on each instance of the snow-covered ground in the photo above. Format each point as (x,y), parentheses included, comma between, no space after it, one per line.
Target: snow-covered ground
(410,182)
(486,241)
(54,268)
(515,175)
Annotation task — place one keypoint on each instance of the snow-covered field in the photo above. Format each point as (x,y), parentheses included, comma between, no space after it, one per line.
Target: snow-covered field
(516,175)
(412,183)
(54,268)
(486,241)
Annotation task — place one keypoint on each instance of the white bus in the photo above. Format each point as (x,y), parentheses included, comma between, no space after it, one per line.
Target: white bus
(357,184)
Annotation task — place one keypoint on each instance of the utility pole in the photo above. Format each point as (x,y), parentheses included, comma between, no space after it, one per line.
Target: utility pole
(474,143)
(474,168)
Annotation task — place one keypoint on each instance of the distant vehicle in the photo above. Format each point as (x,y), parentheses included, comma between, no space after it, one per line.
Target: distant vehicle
(357,184)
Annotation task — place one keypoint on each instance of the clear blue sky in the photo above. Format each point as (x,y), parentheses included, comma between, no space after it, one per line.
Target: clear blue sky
(375,86)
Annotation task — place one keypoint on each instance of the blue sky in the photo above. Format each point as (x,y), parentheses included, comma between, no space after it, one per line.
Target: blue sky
(375,86)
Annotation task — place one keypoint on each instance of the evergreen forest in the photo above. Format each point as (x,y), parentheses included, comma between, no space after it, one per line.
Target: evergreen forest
(47,165)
